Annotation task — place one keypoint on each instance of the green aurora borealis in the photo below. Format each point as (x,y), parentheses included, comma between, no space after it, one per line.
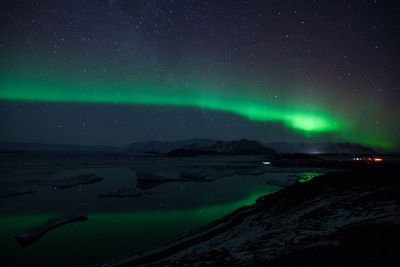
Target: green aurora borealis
(312,81)
(149,97)
(145,93)
(199,95)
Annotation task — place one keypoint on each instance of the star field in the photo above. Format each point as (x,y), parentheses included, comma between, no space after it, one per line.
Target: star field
(114,72)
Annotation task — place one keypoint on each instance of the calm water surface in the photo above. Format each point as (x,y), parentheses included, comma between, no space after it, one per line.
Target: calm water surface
(118,225)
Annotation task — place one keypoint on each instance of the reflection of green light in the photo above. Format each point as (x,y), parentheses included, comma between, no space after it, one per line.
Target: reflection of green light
(308,176)
(106,235)
(203,96)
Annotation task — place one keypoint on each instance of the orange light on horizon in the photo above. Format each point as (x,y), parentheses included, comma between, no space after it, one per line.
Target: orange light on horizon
(376,159)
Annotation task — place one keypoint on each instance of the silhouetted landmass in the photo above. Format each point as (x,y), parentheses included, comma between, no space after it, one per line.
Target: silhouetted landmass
(320,148)
(240,147)
(338,219)
(180,152)
(158,147)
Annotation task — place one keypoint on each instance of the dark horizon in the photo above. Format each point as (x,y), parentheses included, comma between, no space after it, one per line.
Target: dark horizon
(308,146)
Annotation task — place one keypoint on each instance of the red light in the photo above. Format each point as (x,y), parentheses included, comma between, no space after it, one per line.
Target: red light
(370,160)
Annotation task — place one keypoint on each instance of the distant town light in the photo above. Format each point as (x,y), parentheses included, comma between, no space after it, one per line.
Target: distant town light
(369,159)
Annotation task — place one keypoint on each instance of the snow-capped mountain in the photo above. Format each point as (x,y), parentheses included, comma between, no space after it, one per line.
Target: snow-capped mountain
(200,146)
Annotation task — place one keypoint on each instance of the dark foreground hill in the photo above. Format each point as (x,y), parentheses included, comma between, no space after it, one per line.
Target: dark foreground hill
(347,218)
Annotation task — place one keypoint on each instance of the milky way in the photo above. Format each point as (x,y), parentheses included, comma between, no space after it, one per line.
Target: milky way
(327,72)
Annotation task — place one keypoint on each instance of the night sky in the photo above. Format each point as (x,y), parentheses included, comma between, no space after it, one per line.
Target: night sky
(115,72)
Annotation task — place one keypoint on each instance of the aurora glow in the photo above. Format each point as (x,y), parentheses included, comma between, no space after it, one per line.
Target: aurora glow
(278,63)
(141,92)
(146,229)
(145,93)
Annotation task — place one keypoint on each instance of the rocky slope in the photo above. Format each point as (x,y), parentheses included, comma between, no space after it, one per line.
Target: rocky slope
(339,219)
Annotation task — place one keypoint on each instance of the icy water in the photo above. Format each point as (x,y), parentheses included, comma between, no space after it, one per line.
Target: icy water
(116,226)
